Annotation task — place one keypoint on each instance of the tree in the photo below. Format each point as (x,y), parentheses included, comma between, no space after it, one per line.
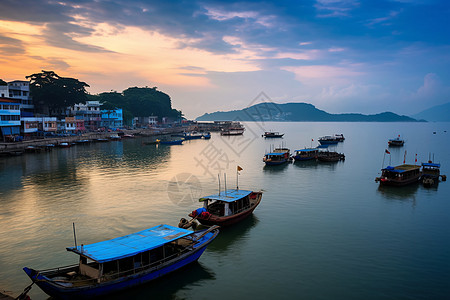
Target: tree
(2,82)
(50,90)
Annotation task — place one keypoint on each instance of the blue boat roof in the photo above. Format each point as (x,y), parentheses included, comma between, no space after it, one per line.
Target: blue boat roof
(131,244)
(401,168)
(228,196)
(306,150)
(275,153)
(431,165)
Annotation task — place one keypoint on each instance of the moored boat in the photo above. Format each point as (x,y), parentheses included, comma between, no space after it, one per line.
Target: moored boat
(113,265)
(328,140)
(206,135)
(397,142)
(431,173)
(272,134)
(170,142)
(227,208)
(277,157)
(305,154)
(330,156)
(233,131)
(400,175)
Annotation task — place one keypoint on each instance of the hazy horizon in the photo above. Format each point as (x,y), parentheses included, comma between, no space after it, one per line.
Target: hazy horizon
(342,56)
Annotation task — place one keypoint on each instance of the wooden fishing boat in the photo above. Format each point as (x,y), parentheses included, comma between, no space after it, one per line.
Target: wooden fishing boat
(272,134)
(431,173)
(397,142)
(227,208)
(330,156)
(173,142)
(277,157)
(399,175)
(328,140)
(109,266)
(233,131)
(305,154)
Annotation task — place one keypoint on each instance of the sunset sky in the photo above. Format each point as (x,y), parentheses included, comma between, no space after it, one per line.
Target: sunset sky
(339,55)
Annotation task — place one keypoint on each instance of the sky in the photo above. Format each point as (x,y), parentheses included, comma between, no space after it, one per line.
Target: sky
(343,56)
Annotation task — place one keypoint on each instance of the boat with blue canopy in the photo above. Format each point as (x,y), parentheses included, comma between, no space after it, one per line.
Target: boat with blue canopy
(277,157)
(109,266)
(399,175)
(305,154)
(227,207)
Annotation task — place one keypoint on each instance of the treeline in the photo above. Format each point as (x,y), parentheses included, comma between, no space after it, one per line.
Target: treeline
(138,102)
(52,92)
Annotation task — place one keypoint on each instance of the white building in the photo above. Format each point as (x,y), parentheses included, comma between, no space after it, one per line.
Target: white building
(90,112)
(20,90)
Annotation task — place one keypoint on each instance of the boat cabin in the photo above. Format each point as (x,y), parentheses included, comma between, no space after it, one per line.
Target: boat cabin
(130,254)
(227,203)
(305,154)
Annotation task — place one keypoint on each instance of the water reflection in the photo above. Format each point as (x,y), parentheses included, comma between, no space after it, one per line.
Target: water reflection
(167,287)
(233,234)
(407,192)
(276,169)
(303,164)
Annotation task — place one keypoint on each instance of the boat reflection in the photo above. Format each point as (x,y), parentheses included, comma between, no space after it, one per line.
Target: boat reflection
(304,164)
(168,286)
(275,168)
(399,193)
(233,234)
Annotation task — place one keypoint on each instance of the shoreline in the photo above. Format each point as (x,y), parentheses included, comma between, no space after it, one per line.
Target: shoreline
(42,144)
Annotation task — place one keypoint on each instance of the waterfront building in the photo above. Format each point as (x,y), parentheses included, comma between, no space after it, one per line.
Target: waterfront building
(145,121)
(20,91)
(90,113)
(9,118)
(112,118)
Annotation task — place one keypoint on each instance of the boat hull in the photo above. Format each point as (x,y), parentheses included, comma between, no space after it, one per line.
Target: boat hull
(393,182)
(123,283)
(229,220)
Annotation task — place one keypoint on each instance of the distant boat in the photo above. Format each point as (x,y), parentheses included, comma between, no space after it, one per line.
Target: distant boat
(173,142)
(397,142)
(339,136)
(207,135)
(226,208)
(114,137)
(64,145)
(277,157)
(194,135)
(113,265)
(400,175)
(272,134)
(328,140)
(232,131)
(305,154)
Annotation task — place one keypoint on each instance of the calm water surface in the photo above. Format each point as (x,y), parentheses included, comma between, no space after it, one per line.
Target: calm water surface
(322,231)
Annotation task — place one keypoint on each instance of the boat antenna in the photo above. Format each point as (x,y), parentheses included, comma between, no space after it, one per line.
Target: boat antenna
(218,176)
(225,180)
(74,234)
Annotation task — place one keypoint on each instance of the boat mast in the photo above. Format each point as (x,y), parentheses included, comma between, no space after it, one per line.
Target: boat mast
(74,235)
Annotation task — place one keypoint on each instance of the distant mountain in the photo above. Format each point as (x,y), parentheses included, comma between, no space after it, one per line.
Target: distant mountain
(440,113)
(297,112)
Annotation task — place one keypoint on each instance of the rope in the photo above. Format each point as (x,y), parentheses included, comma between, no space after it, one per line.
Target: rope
(25,292)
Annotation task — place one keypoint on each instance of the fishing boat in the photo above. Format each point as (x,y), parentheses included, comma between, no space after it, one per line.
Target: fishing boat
(206,135)
(339,136)
(400,175)
(64,145)
(328,140)
(194,135)
(272,134)
(305,154)
(173,142)
(397,142)
(226,208)
(330,156)
(113,265)
(431,173)
(277,157)
(232,131)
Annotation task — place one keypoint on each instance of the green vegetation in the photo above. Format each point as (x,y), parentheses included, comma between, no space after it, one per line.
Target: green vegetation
(53,92)
(2,82)
(139,102)
(298,112)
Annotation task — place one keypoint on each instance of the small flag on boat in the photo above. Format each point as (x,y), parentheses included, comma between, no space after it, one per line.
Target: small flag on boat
(387,151)
(404,157)
(416,158)
(239,168)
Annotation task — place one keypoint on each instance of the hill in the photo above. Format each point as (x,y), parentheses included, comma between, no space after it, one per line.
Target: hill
(297,112)
(440,113)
